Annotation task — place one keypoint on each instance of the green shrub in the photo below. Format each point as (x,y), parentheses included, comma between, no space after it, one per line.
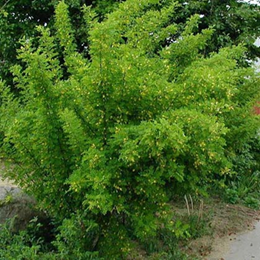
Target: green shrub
(244,185)
(100,141)
(20,246)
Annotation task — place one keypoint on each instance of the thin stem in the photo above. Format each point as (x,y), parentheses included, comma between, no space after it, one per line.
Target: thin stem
(4,5)
(191,201)
(187,204)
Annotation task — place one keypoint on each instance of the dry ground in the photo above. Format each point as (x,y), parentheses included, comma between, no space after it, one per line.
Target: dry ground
(224,222)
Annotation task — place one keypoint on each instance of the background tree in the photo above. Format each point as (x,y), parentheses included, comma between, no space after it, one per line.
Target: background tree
(233,22)
(19,19)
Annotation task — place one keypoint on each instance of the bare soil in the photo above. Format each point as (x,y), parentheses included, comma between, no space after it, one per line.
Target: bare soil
(225,222)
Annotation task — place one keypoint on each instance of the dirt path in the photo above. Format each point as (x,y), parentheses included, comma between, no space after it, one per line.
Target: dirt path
(225,224)
(240,246)
(246,246)
(5,185)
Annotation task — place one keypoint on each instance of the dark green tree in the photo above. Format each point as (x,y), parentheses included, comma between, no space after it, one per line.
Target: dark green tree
(234,22)
(18,19)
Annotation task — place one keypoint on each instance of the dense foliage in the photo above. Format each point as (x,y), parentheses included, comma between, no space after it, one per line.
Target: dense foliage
(19,19)
(104,140)
(234,22)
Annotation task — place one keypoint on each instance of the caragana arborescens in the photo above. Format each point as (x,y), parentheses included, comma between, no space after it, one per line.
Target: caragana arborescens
(101,141)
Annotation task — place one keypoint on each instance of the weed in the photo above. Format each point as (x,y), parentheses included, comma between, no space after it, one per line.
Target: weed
(252,202)
(195,219)
(244,189)
(7,199)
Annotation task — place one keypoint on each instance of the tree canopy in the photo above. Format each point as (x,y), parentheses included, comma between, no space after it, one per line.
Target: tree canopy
(234,22)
